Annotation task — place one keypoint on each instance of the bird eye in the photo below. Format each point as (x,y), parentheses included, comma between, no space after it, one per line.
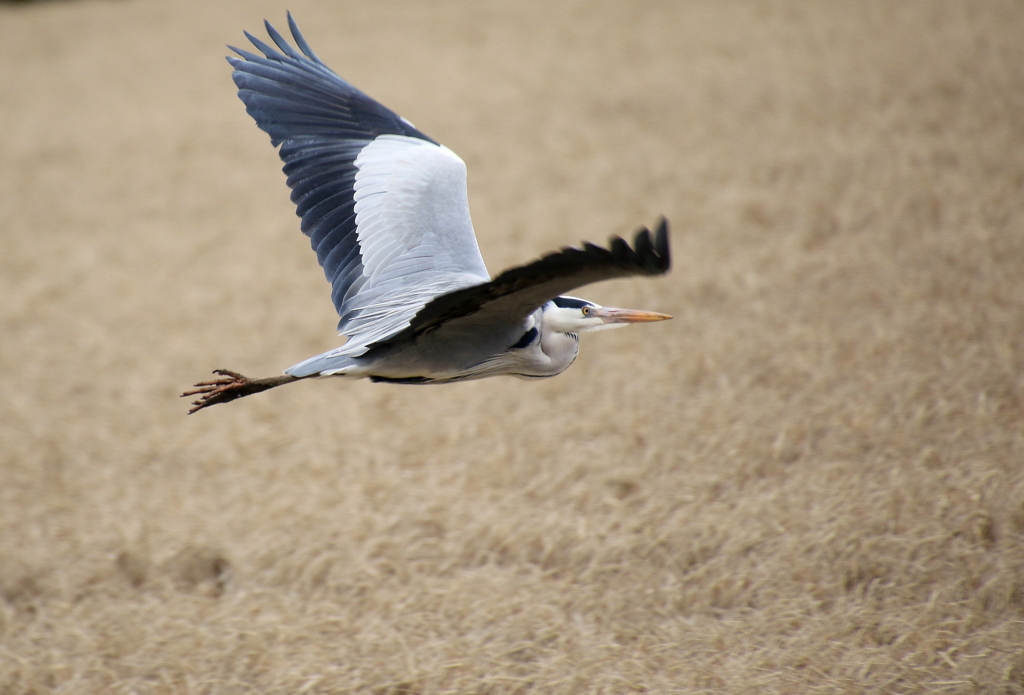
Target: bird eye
(586,311)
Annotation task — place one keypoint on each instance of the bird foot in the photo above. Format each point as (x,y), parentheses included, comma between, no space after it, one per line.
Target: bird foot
(230,386)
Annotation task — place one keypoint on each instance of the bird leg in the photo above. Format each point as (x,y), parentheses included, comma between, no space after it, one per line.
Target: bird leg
(230,386)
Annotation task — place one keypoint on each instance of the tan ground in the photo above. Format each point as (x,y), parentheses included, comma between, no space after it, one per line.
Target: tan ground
(812,480)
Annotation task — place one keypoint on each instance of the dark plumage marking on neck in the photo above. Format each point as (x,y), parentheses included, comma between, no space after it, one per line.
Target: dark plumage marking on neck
(528,339)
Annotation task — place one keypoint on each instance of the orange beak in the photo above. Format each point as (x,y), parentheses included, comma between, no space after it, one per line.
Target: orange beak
(611,315)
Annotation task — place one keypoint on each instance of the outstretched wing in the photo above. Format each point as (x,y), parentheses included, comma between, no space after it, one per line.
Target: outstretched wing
(384,206)
(519,291)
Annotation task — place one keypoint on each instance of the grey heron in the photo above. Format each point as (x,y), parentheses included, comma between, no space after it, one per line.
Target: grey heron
(386,210)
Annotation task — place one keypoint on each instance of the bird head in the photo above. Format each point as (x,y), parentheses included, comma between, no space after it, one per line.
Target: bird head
(574,315)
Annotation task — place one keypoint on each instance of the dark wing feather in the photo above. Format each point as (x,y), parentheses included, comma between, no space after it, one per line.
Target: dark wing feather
(517,292)
(321,123)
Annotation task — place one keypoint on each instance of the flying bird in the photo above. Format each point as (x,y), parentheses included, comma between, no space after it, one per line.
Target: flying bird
(386,210)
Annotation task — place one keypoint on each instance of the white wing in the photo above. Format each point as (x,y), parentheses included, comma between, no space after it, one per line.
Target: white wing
(414,233)
(384,206)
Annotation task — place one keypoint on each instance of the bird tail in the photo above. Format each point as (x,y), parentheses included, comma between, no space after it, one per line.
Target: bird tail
(327,364)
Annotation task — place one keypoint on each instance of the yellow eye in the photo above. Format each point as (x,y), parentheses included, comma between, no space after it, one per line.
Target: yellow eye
(586,311)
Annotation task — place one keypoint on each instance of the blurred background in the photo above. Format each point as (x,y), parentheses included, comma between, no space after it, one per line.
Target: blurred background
(810,480)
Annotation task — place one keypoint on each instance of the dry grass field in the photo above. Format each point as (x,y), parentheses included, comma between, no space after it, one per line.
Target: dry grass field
(810,481)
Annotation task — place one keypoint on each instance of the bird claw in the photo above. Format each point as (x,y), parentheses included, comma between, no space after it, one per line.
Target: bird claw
(232,385)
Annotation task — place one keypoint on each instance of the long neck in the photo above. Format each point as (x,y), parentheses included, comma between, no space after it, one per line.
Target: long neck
(560,348)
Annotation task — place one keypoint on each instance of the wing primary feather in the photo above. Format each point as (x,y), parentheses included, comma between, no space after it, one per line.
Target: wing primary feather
(247,55)
(281,43)
(300,40)
(620,248)
(661,239)
(265,48)
(642,244)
